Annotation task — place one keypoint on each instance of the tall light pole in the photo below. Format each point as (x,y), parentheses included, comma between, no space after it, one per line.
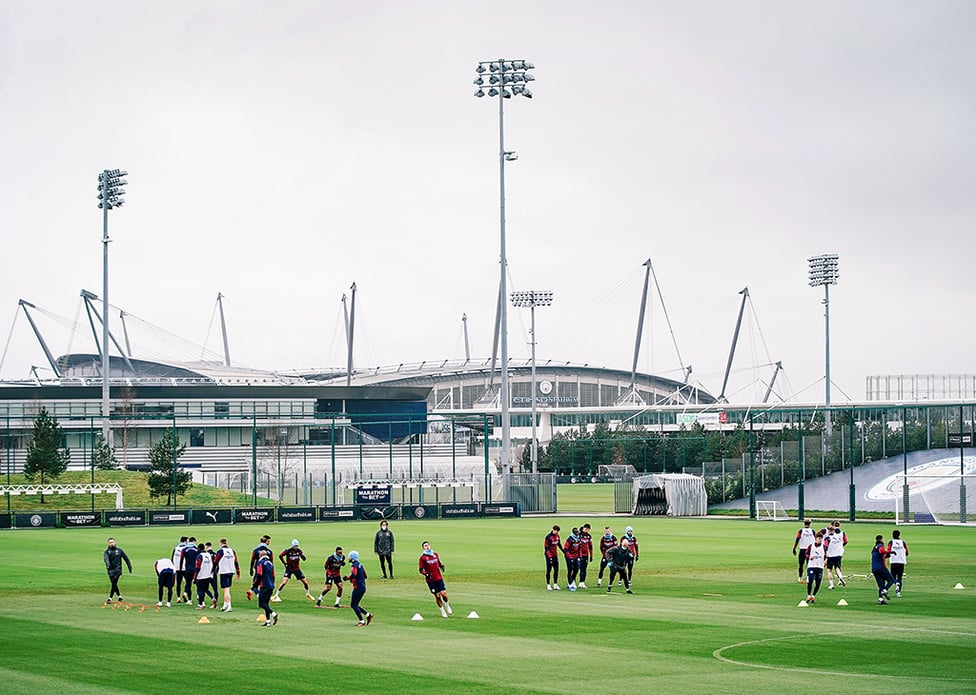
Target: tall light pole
(503,78)
(532,299)
(823,272)
(110,183)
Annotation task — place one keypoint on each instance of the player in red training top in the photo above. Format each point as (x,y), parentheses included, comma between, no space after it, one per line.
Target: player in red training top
(333,575)
(607,541)
(634,551)
(571,550)
(291,558)
(586,553)
(432,567)
(552,547)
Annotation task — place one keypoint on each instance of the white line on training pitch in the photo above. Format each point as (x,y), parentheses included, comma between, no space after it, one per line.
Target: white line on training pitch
(718,655)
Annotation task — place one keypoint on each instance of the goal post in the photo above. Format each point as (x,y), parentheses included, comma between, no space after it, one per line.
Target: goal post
(937,499)
(65,489)
(771,510)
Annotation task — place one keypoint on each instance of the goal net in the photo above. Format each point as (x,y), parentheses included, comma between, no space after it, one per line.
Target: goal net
(937,499)
(770,510)
(617,472)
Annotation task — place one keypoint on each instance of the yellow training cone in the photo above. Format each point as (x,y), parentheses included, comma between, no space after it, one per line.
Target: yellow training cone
(842,602)
(802,604)
(204,620)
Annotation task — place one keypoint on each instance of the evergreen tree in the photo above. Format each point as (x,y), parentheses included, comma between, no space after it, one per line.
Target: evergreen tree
(165,476)
(103,456)
(45,455)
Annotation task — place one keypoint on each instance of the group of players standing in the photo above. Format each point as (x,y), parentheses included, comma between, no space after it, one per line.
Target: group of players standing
(198,565)
(579,553)
(825,547)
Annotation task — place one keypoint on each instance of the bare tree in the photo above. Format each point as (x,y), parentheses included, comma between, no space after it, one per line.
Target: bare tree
(276,455)
(126,409)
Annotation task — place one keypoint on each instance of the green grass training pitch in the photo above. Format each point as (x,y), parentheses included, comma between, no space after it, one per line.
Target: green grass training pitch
(715,610)
(585,497)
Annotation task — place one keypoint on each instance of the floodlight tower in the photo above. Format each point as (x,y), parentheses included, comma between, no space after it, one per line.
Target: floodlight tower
(824,272)
(532,299)
(110,183)
(504,78)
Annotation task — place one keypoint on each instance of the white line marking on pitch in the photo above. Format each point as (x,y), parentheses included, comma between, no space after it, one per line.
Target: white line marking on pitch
(718,655)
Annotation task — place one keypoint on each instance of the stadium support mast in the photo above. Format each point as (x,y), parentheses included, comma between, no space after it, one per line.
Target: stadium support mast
(632,396)
(494,346)
(467,346)
(90,308)
(350,316)
(735,339)
(125,334)
(47,353)
(640,323)
(769,389)
(223,329)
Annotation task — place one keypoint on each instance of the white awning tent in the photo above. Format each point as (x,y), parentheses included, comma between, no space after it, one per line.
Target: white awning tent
(671,494)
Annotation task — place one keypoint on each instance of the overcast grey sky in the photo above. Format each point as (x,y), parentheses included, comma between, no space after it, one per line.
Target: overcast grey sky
(280,151)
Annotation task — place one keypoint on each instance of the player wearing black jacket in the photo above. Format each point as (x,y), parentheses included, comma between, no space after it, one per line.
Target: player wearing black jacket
(619,557)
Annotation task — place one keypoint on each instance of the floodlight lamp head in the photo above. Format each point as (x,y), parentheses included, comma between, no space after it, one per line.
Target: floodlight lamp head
(479,81)
(494,79)
(507,65)
(507,94)
(480,69)
(511,156)
(493,92)
(531,298)
(528,77)
(480,93)
(823,270)
(493,67)
(527,93)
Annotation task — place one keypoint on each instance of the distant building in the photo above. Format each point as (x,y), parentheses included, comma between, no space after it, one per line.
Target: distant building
(920,387)
(568,395)
(223,413)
